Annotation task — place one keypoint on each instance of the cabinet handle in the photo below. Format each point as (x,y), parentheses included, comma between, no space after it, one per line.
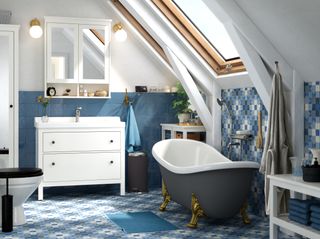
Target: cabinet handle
(111,161)
(53,163)
(111,141)
(53,142)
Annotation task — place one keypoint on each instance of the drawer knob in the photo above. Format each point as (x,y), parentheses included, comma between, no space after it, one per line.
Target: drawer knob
(53,142)
(53,163)
(111,161)
(111,141)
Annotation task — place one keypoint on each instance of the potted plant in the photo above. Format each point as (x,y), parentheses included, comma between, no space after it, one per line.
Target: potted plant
(181,104)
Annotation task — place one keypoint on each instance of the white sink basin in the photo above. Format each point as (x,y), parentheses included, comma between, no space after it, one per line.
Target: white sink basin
(84,122)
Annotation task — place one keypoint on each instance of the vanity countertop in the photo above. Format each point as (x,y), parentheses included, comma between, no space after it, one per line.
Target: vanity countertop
(84,122)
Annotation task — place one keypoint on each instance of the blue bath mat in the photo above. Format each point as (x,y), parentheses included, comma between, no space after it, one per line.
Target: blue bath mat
(137,222)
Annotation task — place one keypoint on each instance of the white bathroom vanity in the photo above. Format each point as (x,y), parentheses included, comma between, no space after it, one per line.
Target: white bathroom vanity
(91,151)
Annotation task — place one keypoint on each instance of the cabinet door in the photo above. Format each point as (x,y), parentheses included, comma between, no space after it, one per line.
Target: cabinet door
(6,99)
(61,53)
(94,54)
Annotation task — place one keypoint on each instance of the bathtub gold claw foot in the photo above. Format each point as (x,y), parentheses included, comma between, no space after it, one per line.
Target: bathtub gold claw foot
(196,212)
(244,214)
(166,197)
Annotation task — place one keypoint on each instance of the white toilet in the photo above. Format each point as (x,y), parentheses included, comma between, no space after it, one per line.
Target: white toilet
(20,189)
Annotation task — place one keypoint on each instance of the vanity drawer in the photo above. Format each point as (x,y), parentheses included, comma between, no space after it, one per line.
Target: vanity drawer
(80,141)
(81,167)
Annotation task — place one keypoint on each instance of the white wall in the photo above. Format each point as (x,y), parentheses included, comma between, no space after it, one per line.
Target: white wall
(132,64)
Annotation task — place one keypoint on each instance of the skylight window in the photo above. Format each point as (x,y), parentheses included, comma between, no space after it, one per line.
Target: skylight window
(210,26)
(204,32)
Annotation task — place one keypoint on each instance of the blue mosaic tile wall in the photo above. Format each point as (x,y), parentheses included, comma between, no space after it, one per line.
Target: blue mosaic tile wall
(311,117)
(151,109)
(244,104)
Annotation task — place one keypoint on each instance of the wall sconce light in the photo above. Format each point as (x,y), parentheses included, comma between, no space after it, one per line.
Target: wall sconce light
(119,33)
(35,30)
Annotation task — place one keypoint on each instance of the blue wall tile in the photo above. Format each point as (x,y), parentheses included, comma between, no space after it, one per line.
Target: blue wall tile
(151,109)
(244,105)
(311,117)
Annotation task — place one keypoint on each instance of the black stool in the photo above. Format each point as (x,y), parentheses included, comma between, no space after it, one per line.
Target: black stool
(7,199)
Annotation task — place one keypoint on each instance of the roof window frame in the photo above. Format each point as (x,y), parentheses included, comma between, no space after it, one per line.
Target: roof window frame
(197,40)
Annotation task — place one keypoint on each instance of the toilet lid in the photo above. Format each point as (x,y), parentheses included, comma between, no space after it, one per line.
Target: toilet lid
(20,172)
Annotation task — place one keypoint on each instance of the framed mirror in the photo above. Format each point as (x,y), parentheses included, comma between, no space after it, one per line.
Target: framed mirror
(62,52)
(92,53)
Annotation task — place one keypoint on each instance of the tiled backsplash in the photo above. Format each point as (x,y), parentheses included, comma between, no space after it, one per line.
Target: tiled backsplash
(311,117)
(244,104)
(151,109)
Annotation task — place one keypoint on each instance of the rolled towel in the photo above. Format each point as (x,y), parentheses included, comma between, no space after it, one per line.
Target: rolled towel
(315,220)
(305,204)
(315,215)
(298,209)
(304,216)
(299,220)
(315,226)
(315,208)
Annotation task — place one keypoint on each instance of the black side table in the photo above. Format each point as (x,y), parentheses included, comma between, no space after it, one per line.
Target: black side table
(7,199)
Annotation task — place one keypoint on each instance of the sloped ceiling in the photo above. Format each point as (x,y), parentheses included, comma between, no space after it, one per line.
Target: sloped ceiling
(292,26)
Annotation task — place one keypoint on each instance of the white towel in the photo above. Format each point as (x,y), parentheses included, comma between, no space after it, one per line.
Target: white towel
(275,154)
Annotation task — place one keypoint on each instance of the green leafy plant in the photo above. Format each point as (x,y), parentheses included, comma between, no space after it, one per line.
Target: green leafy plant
(44,102)
(181,103)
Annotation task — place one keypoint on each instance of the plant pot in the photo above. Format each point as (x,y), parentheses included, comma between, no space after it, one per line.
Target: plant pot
(183,117)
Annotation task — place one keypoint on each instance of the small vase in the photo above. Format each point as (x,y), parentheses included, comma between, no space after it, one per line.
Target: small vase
(45,117)
(296,166)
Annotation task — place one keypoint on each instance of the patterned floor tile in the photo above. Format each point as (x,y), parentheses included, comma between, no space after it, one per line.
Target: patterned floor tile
(84,216)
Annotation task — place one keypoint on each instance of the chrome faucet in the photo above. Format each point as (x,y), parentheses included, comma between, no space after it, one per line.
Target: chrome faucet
(78,113)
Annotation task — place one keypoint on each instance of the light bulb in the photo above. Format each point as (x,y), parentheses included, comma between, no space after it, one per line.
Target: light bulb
(35,30)
(121,35)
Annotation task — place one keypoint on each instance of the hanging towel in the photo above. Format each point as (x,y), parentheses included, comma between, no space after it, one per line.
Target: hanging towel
(275,153)
(133,141)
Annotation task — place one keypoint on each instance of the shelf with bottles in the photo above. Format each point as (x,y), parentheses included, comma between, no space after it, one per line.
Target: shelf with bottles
(80,91)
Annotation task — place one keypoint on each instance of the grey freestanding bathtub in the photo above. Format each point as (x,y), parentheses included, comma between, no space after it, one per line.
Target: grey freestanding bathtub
(200,178)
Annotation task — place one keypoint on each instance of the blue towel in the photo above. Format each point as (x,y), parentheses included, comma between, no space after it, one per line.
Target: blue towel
(304,216)
(315,215)
(305,204)
(298,209)
(315,208)
(299,220)
(133,141)
(315,220)
(315,226)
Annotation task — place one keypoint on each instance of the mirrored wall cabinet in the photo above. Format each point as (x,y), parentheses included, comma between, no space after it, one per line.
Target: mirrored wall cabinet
(77,54)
